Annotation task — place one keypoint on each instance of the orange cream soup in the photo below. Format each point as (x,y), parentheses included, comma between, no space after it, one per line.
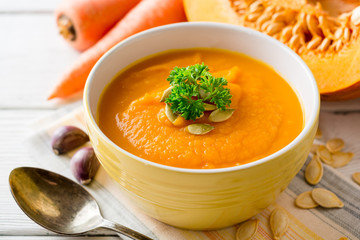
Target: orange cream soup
(267,116)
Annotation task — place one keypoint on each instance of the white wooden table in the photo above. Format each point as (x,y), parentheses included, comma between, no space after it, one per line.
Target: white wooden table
(32,57)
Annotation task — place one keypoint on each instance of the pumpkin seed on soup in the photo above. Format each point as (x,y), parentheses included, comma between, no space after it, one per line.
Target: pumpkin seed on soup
(279,222)
(170,114)
(166,94)
(209,107)
(247,229)
(305,200)
(199,128)
(221,115)
(326,198)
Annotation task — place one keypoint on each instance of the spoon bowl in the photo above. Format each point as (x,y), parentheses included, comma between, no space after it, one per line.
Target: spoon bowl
(59,204)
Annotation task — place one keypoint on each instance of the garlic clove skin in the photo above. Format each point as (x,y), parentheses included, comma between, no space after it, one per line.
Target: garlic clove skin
(67,138)
(84,165)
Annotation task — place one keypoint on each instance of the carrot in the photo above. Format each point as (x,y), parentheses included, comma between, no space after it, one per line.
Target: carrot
(145,15)
(83,22)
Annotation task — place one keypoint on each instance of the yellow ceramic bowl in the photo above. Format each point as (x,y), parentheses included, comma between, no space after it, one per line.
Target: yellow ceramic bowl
(196,198)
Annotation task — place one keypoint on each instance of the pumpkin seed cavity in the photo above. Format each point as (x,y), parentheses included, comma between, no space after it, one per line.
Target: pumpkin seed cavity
(313,32)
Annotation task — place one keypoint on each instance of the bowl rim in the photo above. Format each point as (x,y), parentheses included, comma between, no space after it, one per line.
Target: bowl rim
(313,118)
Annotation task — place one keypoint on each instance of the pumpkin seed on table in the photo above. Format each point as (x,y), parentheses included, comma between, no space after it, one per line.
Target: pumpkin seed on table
(324,155)
(314,171)
(356,177)
(221,115)
(340,159)
(199,128)
(326,198)
(335,145)
(314,148)
(305,200)
(318,133)
(247,229)
(279,222)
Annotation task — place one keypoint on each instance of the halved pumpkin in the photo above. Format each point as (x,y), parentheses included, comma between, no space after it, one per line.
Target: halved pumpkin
(324,33)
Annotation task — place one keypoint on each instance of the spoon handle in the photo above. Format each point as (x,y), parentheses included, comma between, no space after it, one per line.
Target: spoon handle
(123,230)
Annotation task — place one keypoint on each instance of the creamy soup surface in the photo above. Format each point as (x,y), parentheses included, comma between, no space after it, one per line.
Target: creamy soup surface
(267,117)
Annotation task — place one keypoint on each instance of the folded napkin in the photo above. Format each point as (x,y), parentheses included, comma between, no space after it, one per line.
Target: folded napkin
(317,223)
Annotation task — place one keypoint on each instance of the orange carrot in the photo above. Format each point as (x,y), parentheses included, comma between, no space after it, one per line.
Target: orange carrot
(83,22)
(145,15)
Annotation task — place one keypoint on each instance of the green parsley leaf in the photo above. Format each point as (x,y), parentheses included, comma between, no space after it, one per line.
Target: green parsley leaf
(186,98)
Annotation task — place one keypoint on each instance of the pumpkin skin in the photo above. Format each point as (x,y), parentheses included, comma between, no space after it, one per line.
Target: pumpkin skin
(336,67)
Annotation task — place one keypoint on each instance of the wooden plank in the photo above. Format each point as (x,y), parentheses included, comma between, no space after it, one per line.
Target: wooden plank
(32,61)
(14,6)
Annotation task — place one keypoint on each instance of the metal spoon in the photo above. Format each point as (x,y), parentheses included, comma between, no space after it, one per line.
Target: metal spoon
(60,204)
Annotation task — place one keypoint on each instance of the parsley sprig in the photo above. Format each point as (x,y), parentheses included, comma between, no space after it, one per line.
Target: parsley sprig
(192,87)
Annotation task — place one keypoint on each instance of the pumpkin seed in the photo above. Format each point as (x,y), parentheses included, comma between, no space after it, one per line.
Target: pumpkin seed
(335,145)
(325,44)
(338,33)
(314,171)
(314,43)
(294,42)
(221,115)
(265,25)
(355,16)
(318,134)
(247,229)
(256,6)
(338,44)
(263,18)
(274,28)
(324,155)
(305,200)
(324,25)
(340,159)
(326,198)
(166,94)
(252,17)
(314,148)
(170,114)
(312,24)
(203,94)
(347,34)
(199,128)
(209,107)
(279,222)
(356,177)
(286,34)
(279,17)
